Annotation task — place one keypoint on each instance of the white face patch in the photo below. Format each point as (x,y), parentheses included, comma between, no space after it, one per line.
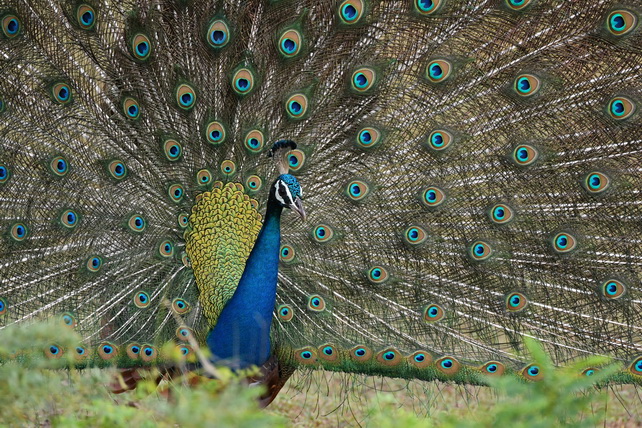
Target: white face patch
(282,193)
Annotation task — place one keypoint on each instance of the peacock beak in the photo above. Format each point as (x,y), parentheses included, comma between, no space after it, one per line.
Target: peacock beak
(298,207)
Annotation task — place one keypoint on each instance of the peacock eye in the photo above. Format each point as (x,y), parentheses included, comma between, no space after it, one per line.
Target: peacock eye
(183,220)
(564,243)
(290,43)
(166,249)
(524,155)
(107,351)
(389,357)
(518,4)
(285,313)
(360,353)
(328,353)
(377,275)
(218,34)
(254,141)
(117,169)
(357,190)
(438,70)
(427,7)
(3,307)
(636,366)
(141,299)
(432,197)
(415,235)
(141,47)
(621,22)
(69,219)
(501,214)
(136,223)
(19,231)
(61,93)
(516,302)
(447,365)
(480,250)
(254,183)
(526,85)
(228,167)
(85,15)
(243,81)
(296,159)
(316,303)
(351,11)
(131,108)
(203,177)
(184,333)
(215,133)
(11,26)
(322,233)
(532,372)
(133,351)
(180,306)
(94,263)
(420,359)
(363,79)
(439,140)
(613,289)
(68,320)
(287,253)
(4,174)
(185,96)
(296,106)
(621,108)
(493,368)
(368,138)
(173,150)
(59,166)
(596,182)
(433,313)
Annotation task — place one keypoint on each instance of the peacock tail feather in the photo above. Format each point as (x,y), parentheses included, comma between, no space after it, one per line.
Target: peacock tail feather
(471,172)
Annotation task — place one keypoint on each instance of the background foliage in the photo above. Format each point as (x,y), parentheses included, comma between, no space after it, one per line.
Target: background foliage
(34,394)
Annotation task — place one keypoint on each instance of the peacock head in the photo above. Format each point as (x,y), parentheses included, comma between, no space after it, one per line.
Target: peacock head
(287,192)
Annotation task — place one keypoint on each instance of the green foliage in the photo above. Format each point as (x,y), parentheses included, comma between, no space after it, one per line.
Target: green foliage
(34,393)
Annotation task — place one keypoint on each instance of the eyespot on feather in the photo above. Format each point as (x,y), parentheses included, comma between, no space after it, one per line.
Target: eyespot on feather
(203,177)
(180,306)
(377,275)
(243,81)
(253,183)
(564,243)
(176,192)
(94,263)
(433,313)
(363,79)
(420,359)
(389,357)
(448,365)
(328,352)
(518,4)
(438,70)
(500,214)
(415,235)
(427,7)
(596,182)
(493,368)
(68,320)
(148,353)
(287,253)
(316,303)
(636,366)
(368,138)
(185,96)
(215,133)
(86,16)
(218,34)
(18,231)
(141,299)
(61,93)
(173,149)
(296,106)
(532,372)
(254,141)
(133,351)
(53,351)
(69,219)
(131,108)
(621,108)
(107,351)
(351,11)
(136,223)
(621,22)
(290,43)
(357,190)
(184,333)
(141,47)
(322,233)
(11,26)
(526,85)
(480,251)
(306,355)
(516,302)
(166,249)
(117,169)
(228,168)
(613,289)
(432,197)
(285,313)
(361,353)
(524,155)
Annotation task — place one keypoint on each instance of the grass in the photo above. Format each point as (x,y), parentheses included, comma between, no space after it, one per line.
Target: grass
(34,394)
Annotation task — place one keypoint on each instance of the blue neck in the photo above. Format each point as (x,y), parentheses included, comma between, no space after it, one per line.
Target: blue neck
(241,337)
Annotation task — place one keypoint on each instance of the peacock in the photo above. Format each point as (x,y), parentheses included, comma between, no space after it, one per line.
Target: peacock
(471,172)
